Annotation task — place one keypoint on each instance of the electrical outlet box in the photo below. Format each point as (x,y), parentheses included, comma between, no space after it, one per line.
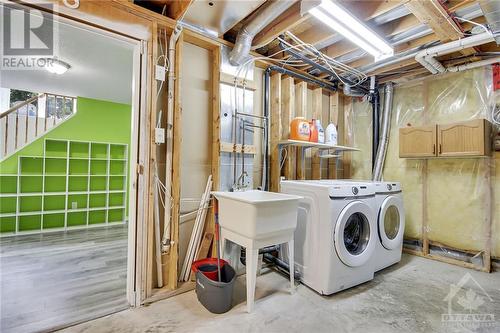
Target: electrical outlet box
(159,135)
(160,73)
(74,205)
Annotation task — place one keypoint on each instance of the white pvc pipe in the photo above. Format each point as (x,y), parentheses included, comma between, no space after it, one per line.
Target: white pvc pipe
(475,64)
(170,126)
(427,57)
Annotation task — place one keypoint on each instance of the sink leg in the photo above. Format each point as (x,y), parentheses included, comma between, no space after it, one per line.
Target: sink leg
(251,269)
(291,261)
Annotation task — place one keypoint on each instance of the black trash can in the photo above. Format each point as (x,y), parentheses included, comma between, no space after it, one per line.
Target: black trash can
(216,296)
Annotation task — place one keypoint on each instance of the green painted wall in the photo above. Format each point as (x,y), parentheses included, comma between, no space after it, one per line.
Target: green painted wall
(94,120)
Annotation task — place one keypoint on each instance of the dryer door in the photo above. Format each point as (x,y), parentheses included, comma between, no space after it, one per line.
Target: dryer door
(391,222)
(355,234)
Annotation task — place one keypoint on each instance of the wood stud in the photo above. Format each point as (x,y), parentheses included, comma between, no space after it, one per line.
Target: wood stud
(300,111)
(275,134)
(287,114)
(317,110)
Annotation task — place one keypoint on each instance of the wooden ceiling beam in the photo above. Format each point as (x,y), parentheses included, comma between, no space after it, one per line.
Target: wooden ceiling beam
(286,21)
(177,8)
(433,14)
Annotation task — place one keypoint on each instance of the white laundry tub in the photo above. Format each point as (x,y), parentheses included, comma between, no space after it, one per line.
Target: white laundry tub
(257,214)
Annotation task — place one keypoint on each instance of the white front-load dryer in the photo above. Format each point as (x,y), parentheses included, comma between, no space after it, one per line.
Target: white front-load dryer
(391,224)
(336,234)
(390,214)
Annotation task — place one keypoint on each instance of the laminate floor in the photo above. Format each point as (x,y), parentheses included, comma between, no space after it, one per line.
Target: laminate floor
(51,280)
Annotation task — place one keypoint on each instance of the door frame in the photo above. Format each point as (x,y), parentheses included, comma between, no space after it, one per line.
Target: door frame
(137,243)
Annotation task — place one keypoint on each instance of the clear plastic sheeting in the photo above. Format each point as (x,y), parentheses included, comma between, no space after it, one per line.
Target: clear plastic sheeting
(359,133)
(458,193)
(407,109)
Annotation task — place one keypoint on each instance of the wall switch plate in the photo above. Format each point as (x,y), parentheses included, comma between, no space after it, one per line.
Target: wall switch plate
(74,205)
(159,135)
(160,73)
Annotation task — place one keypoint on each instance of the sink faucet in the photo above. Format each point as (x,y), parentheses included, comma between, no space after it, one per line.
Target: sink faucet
(240,184)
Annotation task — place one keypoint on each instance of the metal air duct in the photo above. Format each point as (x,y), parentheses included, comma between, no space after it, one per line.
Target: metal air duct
(257,22)
(491,11)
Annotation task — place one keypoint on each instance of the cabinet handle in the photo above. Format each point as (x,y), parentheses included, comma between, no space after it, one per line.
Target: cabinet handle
(434,149)
(440,150)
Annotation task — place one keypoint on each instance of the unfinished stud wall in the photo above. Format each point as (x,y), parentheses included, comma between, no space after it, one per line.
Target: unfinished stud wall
(449,202)
(292,98)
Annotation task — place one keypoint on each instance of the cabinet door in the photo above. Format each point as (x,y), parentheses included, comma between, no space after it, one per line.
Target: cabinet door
(470,138)
(417,141)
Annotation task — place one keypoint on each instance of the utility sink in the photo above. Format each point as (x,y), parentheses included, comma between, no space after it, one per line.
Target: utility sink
(257,214)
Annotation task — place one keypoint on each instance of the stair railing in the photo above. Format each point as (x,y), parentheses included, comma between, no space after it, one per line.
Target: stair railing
(51,108)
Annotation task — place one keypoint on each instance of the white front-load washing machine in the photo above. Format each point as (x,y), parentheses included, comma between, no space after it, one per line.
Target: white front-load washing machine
(336,234)
(390,221)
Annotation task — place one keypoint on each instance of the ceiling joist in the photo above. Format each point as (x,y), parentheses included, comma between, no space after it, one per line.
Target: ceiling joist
(433,14)
(177,8)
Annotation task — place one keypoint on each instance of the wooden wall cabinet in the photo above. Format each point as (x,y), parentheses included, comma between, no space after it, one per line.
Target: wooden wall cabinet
(468,138)
(417,141)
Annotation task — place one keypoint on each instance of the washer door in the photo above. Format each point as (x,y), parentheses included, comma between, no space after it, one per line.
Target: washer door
(391,222)
(354,236)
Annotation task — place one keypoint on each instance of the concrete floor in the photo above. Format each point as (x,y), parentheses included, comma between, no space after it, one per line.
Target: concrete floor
(408,297)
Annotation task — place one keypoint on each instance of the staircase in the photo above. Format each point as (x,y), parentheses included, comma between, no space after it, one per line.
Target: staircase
(29,120)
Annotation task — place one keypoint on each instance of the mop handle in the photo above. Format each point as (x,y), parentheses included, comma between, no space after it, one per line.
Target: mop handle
(216,213)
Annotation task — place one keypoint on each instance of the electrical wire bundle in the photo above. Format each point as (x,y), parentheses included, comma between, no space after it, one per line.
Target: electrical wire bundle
(340,70)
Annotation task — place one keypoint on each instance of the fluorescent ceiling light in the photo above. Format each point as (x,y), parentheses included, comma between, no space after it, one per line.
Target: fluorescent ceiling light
(351,28)
(56,66)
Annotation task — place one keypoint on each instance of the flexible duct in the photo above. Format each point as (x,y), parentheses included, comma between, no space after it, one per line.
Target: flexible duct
(384,138)
(427,57)
(259,21)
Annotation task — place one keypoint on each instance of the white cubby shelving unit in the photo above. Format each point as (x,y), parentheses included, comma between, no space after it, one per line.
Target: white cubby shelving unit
(75,184)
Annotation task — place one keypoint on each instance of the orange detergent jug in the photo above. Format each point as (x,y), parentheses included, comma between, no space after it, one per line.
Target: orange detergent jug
(313,137)
(300,129)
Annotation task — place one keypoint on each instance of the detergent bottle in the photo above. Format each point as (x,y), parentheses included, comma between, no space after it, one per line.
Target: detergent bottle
(300,129)
(314,131)
(331,134)
(321,132)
